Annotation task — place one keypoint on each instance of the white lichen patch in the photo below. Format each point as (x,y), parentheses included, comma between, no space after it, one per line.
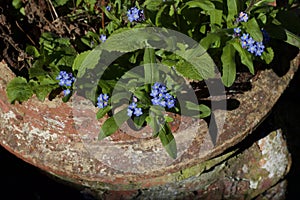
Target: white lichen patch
(275,154)
(7,116)
(55,122)
(254,183)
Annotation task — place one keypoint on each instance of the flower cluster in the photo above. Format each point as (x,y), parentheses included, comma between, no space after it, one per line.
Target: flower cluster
(135,14)
(254,47)
(134,110)
(65,80)
(243,17)
(102,100)
(161,97)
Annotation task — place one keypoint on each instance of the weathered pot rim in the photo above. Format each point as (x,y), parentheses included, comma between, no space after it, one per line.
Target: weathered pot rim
(63,154)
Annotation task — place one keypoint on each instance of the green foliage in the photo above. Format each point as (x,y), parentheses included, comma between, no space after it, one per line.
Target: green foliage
(158,37)
(18,90)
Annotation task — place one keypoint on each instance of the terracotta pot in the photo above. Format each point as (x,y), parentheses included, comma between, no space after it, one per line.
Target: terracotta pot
(59,138)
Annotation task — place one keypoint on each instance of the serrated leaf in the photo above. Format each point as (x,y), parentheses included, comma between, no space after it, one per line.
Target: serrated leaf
(168,141)
(18,89)
(111,125)
(79,59)
(128,40)
(253,29)
(89,62)
(187,70)
(228,65)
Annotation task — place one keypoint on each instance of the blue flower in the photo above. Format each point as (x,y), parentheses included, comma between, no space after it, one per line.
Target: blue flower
(134,14)
(250,41)
(65,79)
(102,100)
(259,48)
(137,112)
(245,37)
(243,17)
(132,106)
(129,112)
(237,31)
(252,48)
(103,38)
(161,97)
(134,110)
(171,103)
(108,8)
(67,92)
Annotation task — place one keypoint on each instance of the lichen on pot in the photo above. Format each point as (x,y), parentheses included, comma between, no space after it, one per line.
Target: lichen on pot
(116,110)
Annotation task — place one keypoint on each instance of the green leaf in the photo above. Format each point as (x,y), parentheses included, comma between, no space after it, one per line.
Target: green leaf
(268,55)
(17,4)
(228,65)
(215,19)
(43,89)
(111,125)
(18,89)
(32,51)
(140,120)
(212,40)
(253,29)
(292,39)
(79,59)
(168,141)
(205,5)
(133,39)
(233,9)
(129,40)
(142,96)
(153,5)
(78,2)
(187,70)
(197,64)
(111,16)
(59,2)
(89,62)
(150,70)
(202,110)
(159,16)
(246,57)
(102,112)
